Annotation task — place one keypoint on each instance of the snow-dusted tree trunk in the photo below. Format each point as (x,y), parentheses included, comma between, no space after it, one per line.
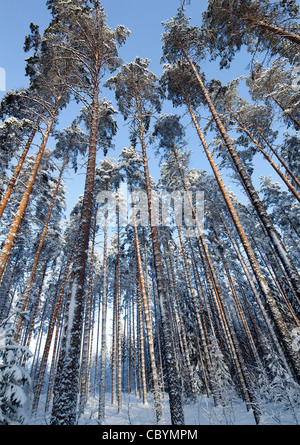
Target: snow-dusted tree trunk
(64,410)
(119,324)
(174,388)
(138,97)
(84,382)
(156,390)
(141,342)
(101,410)
(281,160)
(114,340)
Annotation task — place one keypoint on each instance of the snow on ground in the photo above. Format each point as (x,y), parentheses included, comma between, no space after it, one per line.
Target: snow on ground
(203,412)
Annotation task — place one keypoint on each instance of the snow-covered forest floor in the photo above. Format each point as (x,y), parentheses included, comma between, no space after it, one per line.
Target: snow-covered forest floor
(203,412)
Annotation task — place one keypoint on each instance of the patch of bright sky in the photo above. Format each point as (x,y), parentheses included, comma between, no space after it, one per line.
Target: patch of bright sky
(144,19)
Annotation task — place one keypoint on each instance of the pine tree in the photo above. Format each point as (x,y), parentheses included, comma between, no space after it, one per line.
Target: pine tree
(96,54)
(105,176)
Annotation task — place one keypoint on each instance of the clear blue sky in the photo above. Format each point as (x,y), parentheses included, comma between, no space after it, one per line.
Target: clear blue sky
(143,18)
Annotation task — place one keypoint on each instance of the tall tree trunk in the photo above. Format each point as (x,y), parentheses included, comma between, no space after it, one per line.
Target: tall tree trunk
(64,410)
(206,364)
(4,309)
(182,328)
(256,294)
(143,383)
(174,385)
(36,305)
(241,313)
(101,411)
(156,390)
(135,367)
(57,344)
(119,336)
(87,327)
(114,340)
(219,297)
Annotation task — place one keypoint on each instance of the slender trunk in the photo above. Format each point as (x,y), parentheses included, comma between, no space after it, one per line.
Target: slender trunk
(119,337)
(4,302)
(91,345)
(87,327)
(10,239)
(272,274)
(134,351)
(143,384)
(57,344)
(212,272)
(101,411)
(28,337)
(156,391)
(114,341)
(18,168)
(64,410)
(218,293)
(256,294)
(241,313)
(129,350)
